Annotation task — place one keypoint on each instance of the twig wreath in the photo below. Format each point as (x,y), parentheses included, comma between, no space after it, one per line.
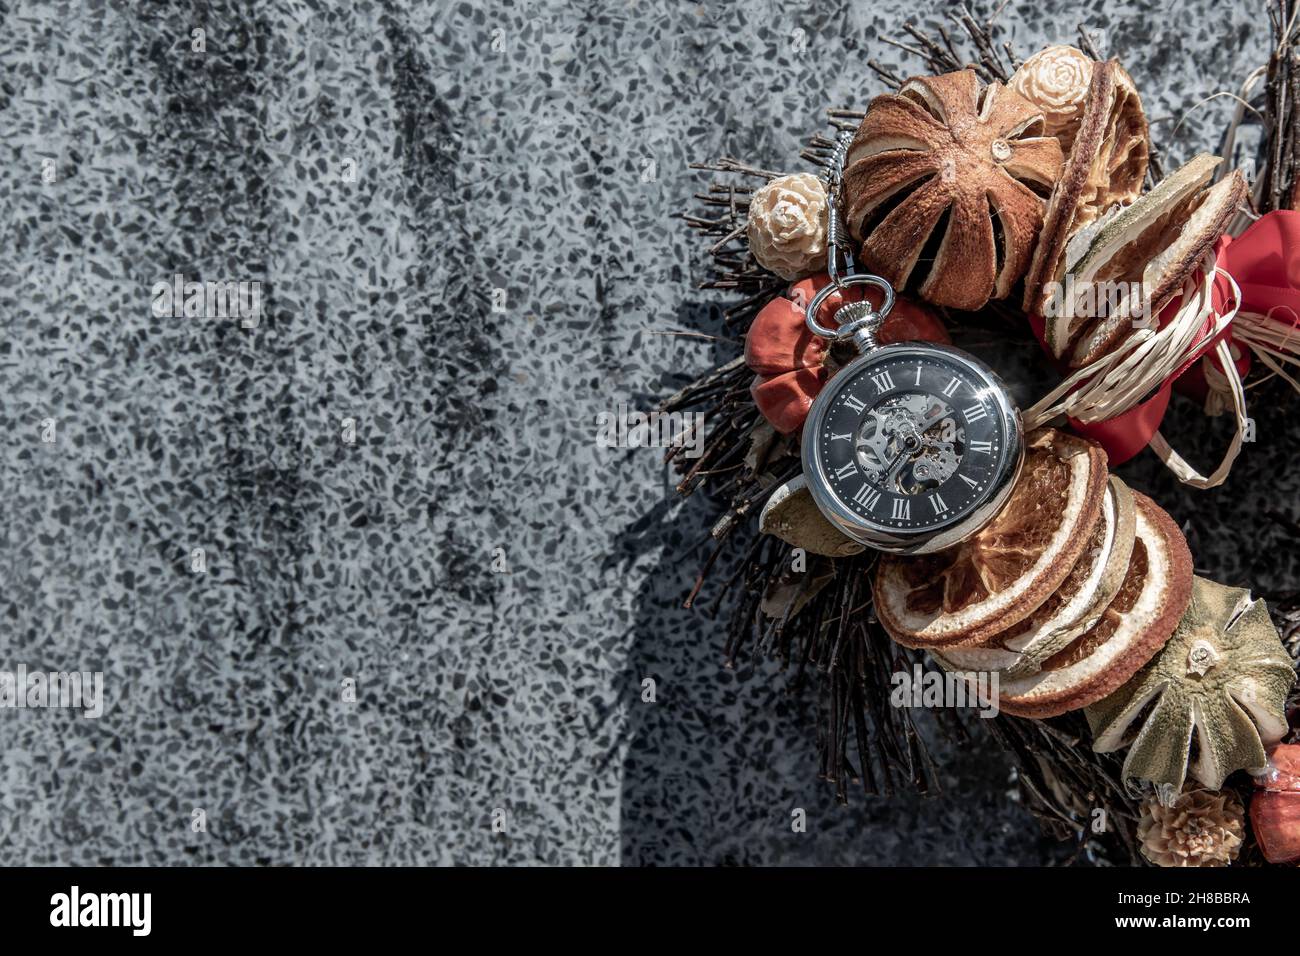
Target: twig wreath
(1149,712)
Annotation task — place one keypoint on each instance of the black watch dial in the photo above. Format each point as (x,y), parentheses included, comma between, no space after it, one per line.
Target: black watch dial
(912,441)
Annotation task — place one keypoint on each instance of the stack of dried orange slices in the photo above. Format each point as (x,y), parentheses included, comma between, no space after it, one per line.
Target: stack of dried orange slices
(1067,593)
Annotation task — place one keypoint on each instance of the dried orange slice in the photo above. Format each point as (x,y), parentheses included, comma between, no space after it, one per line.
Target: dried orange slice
(1106,167)
(1149,249)
(971,592)
(1138,622)
(1072,608)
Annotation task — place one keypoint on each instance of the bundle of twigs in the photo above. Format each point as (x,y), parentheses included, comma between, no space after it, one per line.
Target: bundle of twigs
(942,54)
(817,620)
(1282,93)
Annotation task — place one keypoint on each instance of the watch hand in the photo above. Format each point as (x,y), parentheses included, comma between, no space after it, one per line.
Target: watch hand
(896,466)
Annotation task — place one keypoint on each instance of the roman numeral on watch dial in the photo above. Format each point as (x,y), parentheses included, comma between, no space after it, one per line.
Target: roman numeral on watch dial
(984,447)
(902,509)
(883,381)
(867,496)
(845,470)
(854,403)
(937,503)
(974,413)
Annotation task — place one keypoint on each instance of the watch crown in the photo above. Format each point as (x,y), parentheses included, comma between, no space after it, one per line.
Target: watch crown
(859,322)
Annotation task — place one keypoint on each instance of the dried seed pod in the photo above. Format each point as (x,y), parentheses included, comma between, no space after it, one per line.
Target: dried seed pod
(1221,682)
(791,515)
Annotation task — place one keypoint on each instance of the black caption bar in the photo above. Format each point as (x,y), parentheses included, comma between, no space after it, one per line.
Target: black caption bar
(335,906)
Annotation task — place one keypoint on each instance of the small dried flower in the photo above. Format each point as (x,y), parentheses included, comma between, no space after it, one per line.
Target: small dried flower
(787,225)
(1198,828)
(1056,81)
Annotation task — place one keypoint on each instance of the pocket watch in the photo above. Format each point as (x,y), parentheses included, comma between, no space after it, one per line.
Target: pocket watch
(911,447)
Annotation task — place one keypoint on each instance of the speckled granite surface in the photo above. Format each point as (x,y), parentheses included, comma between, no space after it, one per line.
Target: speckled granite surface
(538,149)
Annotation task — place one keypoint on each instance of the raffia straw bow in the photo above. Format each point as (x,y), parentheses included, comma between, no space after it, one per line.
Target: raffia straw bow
(1126,376)
(1274,343)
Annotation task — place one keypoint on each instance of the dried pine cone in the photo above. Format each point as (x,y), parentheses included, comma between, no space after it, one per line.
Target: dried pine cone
(787,225)
(1202,828)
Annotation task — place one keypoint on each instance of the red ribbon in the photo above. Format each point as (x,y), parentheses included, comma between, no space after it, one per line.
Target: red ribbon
(1265,261)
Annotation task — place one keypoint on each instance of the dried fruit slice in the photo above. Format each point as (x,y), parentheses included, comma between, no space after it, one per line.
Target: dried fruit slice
(1106,167)
(1138,622)
(996,578)
(1071,609)
(1148,248)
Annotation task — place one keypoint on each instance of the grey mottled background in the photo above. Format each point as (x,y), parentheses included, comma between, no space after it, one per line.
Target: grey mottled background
(536,148)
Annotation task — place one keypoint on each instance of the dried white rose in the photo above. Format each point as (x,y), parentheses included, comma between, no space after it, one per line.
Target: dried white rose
(1056,81)
(787,225)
